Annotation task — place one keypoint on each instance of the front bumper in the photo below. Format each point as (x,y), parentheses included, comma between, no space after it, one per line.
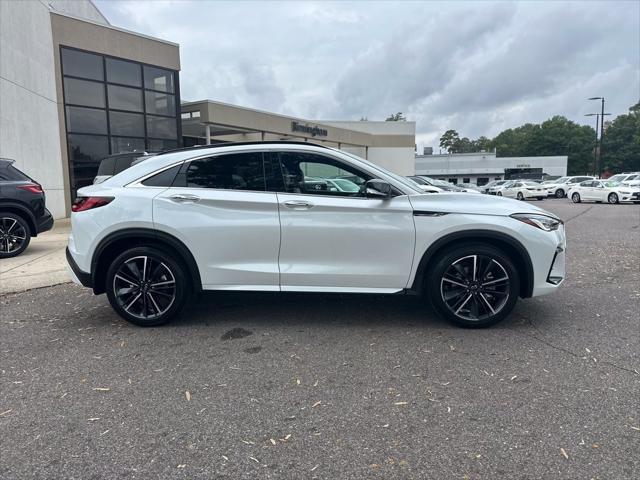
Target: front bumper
(45,222)
(77,275)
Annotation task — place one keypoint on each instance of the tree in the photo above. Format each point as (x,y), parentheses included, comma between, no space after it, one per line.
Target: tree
(449,140)
(396,117)
(621,145)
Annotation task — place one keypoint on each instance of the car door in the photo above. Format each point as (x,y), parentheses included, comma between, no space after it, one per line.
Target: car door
(599,192)
(339,241)
(219,208)
(511,189)
(584,189)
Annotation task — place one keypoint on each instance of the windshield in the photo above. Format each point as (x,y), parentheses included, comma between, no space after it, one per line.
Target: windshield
(618,178)
(419,181)
(531,184)
(562,180)
(610,183)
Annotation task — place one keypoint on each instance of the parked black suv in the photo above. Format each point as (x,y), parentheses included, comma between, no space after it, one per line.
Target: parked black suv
(22,210)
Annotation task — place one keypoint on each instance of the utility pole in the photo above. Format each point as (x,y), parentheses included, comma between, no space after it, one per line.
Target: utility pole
(600,163)
(595,145)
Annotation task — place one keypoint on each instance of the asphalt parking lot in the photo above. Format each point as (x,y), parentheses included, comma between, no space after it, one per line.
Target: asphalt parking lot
(319,386)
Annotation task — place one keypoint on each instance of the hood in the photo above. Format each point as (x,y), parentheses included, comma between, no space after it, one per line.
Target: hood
(473,204)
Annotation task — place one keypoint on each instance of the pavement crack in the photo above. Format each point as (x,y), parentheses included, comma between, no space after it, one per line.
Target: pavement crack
(579,214)
(566,350)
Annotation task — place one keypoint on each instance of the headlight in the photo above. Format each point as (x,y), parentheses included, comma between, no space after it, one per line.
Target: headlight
(543,222)
(624,192)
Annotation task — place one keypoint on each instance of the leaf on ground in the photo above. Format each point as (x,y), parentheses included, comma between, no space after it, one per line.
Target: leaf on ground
(255,459)
(187,395)
(564,453)
(5,412)
(225,458)
(273,442)
(297,381)
(316,404)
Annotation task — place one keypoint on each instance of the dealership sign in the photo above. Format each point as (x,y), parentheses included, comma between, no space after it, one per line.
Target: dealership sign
(314,131)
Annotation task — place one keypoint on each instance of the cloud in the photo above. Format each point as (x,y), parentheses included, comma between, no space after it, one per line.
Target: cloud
(477,67)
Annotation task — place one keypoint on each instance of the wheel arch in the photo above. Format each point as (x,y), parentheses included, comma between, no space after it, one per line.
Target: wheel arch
(24,212)
(511,246)
(117,242)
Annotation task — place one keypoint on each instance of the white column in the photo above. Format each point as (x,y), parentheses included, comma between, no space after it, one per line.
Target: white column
(208,130)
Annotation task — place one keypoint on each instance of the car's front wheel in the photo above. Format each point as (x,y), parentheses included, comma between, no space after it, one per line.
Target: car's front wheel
(613,198)
(14,235)
(559,193)
(575,198)
(473,286)
(147,286)
(520,196)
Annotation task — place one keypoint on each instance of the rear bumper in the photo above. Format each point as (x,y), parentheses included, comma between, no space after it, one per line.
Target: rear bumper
(77,275)
(45,222)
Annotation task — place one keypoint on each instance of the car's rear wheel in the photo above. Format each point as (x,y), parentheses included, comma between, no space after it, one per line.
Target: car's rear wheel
(520,196)
(613,198)
(575,198)
(559,193)
(14,235)
(473,286)
(540,198)
(147,286)
(499,194)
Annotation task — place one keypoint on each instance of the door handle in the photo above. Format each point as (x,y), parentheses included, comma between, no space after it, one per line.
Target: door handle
(298,204)
(184,198)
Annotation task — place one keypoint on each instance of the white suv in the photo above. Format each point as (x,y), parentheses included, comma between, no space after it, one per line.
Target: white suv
(255,217)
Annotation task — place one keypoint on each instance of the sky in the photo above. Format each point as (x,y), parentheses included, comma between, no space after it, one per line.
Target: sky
(476,67)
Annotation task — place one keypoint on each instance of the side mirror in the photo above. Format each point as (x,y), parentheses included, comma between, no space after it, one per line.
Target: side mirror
(376,188)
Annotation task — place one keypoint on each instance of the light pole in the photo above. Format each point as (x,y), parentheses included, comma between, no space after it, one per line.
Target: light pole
(595,148)
(599,166)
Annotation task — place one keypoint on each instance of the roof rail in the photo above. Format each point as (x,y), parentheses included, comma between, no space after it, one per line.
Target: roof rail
(233,144)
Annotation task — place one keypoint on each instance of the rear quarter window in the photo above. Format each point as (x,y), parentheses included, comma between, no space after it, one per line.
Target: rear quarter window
(12,174)
(164,178)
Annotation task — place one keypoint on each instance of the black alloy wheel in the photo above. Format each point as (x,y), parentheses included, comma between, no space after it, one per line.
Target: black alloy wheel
(146,286)
(520,196)
(559,193)
(474,286)
(613,198)
(575,198)
(14,235)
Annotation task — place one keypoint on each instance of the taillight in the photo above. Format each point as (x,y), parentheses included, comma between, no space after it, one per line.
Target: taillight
(31,187)
(87,203)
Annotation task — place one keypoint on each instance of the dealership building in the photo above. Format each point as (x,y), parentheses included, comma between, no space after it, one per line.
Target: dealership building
(482,167)
(74,89)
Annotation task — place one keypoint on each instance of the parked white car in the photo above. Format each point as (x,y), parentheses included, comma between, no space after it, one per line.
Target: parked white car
(631,179)
(244,217)
(523,190)
(424,186)
(562,185)
(603,191)
(492,188)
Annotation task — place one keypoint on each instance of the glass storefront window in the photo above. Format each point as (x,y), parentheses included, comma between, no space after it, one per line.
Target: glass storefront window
(121,71)
(125,144)
(161,127)
(161,145)
(130,124)
(124,98)
(160,103)
(82,64)
(81,92)
(158,79)
(115,106)
(86,120)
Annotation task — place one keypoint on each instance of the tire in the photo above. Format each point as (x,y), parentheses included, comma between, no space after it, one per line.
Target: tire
(540,198)
(613,198)
(560,193)
(499,194)
(520,196)
(144,304)
(14,235)
(458,298)
(575,198)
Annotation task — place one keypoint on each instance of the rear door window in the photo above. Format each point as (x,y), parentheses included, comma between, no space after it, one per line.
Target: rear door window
(237,171)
